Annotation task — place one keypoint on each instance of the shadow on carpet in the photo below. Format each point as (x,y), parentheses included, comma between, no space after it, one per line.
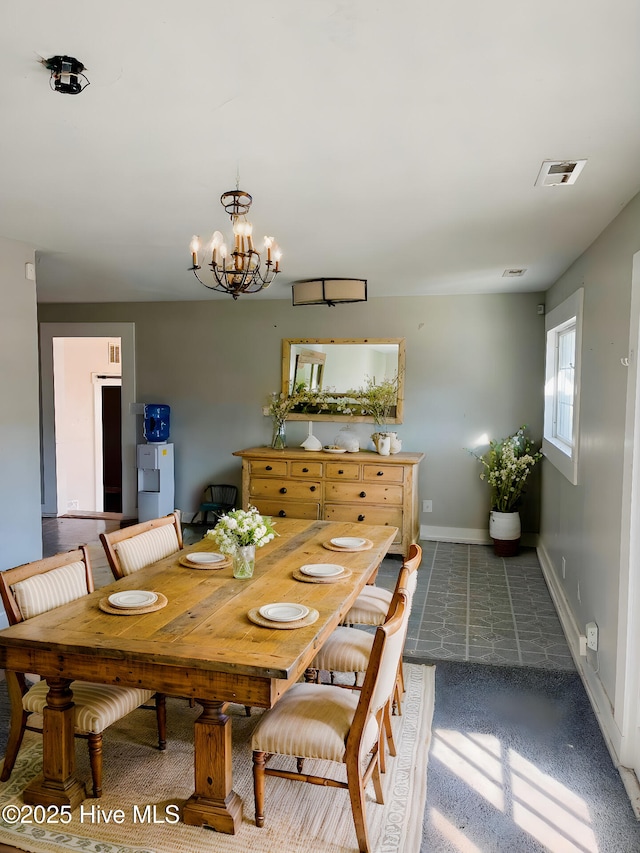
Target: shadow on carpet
(518,764)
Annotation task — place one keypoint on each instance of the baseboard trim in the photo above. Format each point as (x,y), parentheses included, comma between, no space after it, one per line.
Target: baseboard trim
(464,535)
(469,535)
(598,698)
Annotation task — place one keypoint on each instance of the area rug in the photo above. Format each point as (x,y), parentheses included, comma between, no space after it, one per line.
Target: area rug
(148,785)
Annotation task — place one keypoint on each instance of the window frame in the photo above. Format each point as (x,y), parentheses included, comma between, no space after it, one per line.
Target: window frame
(562,456)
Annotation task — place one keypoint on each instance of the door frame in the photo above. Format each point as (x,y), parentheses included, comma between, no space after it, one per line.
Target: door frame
(99,381)
(126,333)
(627,693)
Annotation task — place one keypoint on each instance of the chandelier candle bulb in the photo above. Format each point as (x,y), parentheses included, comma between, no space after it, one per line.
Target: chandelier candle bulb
(195,246)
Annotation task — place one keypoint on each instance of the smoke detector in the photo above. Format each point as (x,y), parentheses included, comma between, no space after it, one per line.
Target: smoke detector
(556,173)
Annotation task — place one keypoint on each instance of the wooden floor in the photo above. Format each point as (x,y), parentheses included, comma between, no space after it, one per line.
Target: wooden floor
(68,532)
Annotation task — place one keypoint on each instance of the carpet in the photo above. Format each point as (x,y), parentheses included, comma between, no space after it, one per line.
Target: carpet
(518,765)
(299,817)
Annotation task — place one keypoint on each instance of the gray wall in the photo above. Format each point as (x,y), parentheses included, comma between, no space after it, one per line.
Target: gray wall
(20,527)
(583,523)
(474,364)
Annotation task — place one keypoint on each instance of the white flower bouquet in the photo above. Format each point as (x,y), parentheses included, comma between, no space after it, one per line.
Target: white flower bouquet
(239,528)
(506,467)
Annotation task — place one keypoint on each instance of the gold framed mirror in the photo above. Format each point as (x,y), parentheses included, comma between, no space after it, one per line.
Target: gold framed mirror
(335,366)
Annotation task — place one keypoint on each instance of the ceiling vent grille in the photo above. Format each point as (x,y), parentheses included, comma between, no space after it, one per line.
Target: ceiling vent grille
(114,352)
(557,173)
(513,272)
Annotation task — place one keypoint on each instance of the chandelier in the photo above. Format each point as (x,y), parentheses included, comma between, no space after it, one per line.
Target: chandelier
(239,270)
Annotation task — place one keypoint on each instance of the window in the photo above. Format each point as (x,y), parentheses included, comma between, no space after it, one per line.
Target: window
(562,385)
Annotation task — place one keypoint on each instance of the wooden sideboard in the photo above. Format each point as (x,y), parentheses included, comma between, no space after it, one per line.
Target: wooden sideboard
(356,487)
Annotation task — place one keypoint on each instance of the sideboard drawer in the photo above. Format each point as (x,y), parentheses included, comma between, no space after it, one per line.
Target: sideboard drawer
(293,489)
(306,469)
(391,516)
(288,509)
(343,471)
(374,493)
(383,473)
(269,468)
(348,488)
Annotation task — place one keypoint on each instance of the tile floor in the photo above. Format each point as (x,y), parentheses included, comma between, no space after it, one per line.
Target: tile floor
(473,606)
(469,605)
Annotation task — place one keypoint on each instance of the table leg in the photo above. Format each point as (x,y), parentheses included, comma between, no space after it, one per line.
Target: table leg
(57,784)
(214,802)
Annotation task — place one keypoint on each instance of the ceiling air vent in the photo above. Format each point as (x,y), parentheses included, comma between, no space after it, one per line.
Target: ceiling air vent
(513,273)
(556,173)
(114,352)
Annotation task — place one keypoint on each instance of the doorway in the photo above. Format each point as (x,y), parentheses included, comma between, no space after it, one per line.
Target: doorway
(108,442)
(56,495)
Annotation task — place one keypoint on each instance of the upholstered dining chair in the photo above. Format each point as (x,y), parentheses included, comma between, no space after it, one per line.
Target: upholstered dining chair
(372,605)
(132,548)
(38,587)
(349,649)
(313,721)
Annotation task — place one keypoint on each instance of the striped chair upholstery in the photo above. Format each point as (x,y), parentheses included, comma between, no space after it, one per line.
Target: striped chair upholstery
(309,724)
(346,650)
(41,593)
(370,607)
(147,548)
(35,588)
(327,723)
(97,706)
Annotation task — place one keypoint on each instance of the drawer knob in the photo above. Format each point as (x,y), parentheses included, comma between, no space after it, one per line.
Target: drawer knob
(380,474)
(305,470)
(268,468)
(283,491)
(361,518)
(340,471)
(363,494)
(282,514)
(312,488)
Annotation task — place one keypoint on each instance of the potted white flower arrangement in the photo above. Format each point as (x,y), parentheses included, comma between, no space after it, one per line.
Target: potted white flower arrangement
(379,399)
(239,533)
(506,467)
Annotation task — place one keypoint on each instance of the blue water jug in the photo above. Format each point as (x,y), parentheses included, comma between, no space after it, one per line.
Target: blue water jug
(156,422)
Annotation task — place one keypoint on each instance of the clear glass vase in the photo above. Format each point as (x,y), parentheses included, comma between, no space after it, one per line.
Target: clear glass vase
(279,438)
(244,561)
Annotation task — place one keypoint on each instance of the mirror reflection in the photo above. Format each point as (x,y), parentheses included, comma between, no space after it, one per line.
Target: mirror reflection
(340,365)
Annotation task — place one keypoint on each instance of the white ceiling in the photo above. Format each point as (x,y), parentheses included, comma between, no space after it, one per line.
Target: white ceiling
(396,141)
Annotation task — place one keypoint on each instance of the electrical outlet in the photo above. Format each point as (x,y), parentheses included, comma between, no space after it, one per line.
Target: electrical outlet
(592,636)
(583,646)
(564,568)
(427,506)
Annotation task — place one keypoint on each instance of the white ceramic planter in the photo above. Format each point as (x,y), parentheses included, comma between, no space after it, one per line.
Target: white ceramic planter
(504,529)
(504,525)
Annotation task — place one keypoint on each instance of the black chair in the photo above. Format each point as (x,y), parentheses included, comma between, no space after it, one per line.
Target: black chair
(218,500)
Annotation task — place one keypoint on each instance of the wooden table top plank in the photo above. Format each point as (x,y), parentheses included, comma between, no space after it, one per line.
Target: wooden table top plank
(205,623)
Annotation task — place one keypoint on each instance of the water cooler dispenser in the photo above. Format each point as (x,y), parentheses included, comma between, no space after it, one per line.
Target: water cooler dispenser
(155,465)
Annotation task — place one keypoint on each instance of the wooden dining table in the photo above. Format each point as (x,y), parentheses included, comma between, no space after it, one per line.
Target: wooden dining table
(201,645)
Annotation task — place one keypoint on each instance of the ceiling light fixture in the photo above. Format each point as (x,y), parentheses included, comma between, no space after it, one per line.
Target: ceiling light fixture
(238,271)
(329,291)
(66,74)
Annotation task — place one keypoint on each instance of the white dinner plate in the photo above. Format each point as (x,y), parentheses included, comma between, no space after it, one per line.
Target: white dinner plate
(283,612)
(132,598)
(206,557)
(321,570)
(348,542)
